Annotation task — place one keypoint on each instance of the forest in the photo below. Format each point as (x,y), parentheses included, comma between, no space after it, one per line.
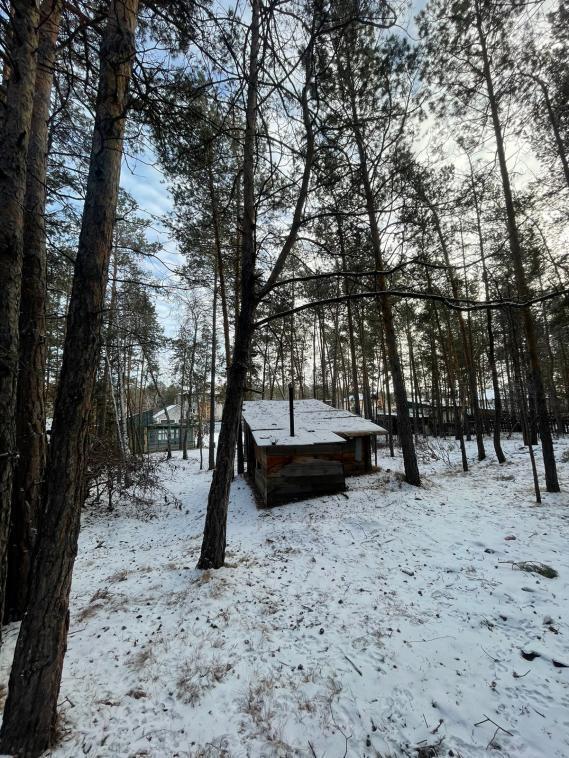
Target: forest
(212,203)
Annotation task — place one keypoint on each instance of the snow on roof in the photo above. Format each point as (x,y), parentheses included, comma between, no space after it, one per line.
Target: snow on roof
(174,413)
(314,423)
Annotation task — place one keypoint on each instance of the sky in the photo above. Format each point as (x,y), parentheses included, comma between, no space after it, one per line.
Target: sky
(141,177)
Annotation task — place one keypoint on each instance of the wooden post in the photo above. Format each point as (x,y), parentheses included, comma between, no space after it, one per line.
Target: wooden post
(240,461)
(375,449)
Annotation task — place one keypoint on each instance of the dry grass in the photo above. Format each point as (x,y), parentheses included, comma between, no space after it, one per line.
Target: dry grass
(141,659)
(103,600)
(137,693)
(198,676)
(210,750)
(174,599)
(119,576)
(96,603)
(259,704)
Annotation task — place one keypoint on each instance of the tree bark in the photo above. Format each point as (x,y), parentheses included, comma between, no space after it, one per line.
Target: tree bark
(351,335)
(554,122)
(214,537)
(30,405)
(387,395)
(15,127)
(30,713)
(490,329)
(551,480)
(220,265)
(404,430)
(190,391)
(211,457)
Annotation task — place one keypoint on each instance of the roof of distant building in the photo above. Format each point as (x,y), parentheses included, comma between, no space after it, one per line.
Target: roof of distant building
(314,423)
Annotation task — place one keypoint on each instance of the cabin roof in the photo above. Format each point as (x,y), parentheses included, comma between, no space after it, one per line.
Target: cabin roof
(314,423)
(174,413)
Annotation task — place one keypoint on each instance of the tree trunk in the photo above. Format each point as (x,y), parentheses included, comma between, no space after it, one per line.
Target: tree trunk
(211,458)
(323,357)
(404,430)
(351,335)
(220,265)
(387,396)
(15,127)
(451,367)
(240,456)
(30,714)
(523,393)
(551,480)
(190,388)
(123,413)
(490,329)
(214,538)
(496,387)
(554,122)
(365,374)
(30,413)
(467,356)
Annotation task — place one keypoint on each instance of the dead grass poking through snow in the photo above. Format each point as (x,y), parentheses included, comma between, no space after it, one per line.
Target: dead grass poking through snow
(259,704)
(96,603)
(198,676)
(142,659)
(257,699)
(119,576)
(212,750)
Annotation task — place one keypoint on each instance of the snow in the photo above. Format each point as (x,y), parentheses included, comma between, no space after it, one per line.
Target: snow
(314,422)
(359,625)
(266,437)
(174,414)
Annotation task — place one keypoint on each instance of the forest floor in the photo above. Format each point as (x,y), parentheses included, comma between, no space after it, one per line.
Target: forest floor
(385,622)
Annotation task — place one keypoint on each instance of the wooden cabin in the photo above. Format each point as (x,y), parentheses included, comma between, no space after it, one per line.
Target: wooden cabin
(328,444)
(146,434)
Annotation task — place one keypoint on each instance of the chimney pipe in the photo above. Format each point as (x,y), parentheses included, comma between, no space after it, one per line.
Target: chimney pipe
(291,408)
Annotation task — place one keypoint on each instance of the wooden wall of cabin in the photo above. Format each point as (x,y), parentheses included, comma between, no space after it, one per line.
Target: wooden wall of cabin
(265,466)
(279,472)
(294,472)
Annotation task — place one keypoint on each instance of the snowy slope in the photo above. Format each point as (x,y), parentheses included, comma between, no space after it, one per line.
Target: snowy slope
(361,625)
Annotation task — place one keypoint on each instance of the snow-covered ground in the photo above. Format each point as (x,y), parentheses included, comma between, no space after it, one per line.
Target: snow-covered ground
(372,624)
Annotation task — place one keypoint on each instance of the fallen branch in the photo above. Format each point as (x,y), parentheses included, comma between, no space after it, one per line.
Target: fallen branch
(520,676)
(353,664)
(339,728)
(498,728)
(534,567)
(496,660)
